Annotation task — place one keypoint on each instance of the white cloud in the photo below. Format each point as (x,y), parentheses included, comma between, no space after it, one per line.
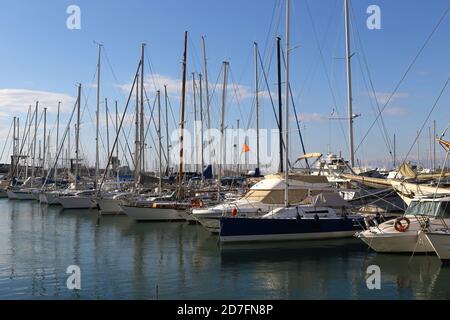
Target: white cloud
(157,81)
(396,111)
(312,117)
(18,100)
(383,97)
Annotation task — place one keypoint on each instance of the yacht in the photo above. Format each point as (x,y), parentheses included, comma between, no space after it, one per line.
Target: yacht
(263,197)
(404,234)
(301,222)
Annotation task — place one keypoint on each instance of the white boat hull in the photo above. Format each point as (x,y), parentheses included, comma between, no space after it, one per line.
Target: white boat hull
(441,244)
(154,214)
(110,206)
(77,202)
(406,242)
(14,195)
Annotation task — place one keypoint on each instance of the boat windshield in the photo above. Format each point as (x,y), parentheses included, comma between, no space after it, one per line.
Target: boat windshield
(438,209)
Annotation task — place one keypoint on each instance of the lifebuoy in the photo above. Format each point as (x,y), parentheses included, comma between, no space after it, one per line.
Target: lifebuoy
(234,212)
(197,203)
(399,226)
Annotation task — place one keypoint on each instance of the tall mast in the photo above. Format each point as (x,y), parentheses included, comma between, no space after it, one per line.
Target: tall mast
(286,134)
(137,145)
(34,143)
(107,133)
(195,122)
(434,145)
(222,120)
(77,138)
(55,173)
(238,164)
(167,128)
(257,104)
(183,101)
(117,146)
(349,83)
(159,143)
(201,125)
(280,104)
(44,144)
(142,136)
(205,72)
(13,158)
(97,119)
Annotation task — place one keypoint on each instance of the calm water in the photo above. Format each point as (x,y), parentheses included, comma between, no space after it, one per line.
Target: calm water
(120,259)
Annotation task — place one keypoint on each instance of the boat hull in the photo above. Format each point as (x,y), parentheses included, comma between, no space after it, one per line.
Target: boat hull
(406,242)
(441,244)
(253,229)
(75,202)
(110,206)
(15,195)
(154,214)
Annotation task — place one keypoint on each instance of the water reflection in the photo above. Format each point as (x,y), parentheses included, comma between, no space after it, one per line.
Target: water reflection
(121,259)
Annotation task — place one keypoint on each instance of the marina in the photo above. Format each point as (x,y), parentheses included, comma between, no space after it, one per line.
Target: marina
(228,180)
(121,259)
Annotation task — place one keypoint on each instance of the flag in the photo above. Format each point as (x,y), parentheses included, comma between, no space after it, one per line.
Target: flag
(245,148)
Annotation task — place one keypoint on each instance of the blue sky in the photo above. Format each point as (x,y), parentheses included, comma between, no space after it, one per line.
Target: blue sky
(39,54)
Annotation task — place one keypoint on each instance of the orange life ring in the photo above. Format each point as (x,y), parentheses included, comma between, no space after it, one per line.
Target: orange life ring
(197,203)
(234,212)
(399,226)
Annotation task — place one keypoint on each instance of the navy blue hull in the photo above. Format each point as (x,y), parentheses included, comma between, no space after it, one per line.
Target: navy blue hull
(253,229)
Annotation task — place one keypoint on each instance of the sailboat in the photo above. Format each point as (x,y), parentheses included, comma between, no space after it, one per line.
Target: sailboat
(291,222)
(159,208)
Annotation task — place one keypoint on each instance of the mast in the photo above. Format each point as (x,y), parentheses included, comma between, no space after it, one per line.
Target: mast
(159,143)
(137,144)
(167,128)
(195,122)
(55,173)
(44,144)
(434,145)
(257,104)
(201,126)
(280,104)
(349,84)
(395,154)
(107,133)
(117,147)
(205,72)
(142,135)
(13,158)
(183,101)
(222,120)
(97,119)
(286,134)
(34,144)
(238,169)
(77,138)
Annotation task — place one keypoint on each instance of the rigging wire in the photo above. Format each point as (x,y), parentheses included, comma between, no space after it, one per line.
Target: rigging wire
(408,69)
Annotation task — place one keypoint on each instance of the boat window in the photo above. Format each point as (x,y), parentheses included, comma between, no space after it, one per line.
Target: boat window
(429,208)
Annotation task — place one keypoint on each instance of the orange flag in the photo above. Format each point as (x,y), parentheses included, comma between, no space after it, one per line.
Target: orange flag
(246,148)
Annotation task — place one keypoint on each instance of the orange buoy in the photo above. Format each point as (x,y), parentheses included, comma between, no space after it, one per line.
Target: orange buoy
(234,212)
(399,226)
